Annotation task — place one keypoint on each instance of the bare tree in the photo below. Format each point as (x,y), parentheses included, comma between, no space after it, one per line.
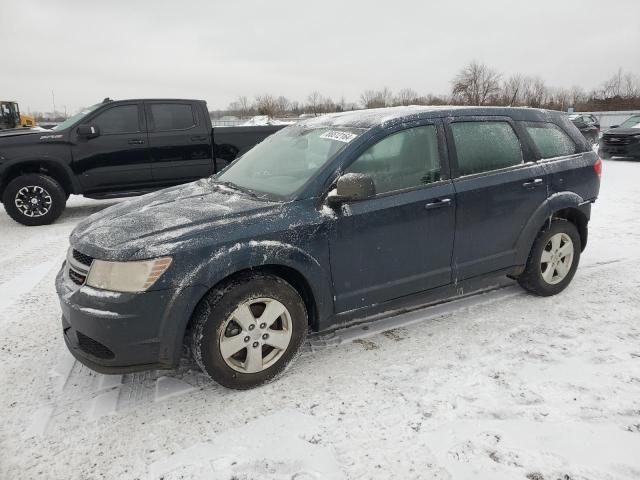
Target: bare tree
(266,104)
(513,90)
(630,85)
(244,106)
(282,105)
(537,92)
(314,101)
(613,86)
(476,84)
(407,96)
(376,98)
(578,96)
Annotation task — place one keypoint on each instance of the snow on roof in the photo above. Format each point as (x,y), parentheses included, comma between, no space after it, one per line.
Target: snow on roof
(379,116)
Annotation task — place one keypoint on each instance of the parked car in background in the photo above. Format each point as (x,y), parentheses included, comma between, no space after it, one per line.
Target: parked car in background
(622,140)
(325,223)
(115,149)
(588,125)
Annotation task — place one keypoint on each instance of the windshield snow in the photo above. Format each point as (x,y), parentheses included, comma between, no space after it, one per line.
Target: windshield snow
(285,161)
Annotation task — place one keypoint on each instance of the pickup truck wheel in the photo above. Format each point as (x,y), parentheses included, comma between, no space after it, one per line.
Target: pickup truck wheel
(246,332)
(34,199)
(553,259)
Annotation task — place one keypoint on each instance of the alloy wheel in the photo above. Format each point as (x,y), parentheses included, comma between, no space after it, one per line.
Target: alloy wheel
(556,258)
(33,201)
(256,335)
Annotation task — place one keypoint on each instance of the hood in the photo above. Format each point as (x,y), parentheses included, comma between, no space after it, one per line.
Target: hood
(623,131)
(160,222)
(13,132)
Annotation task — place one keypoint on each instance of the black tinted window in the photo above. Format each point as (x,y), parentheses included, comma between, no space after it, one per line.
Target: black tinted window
(483,146)
(172,116)
(405,159)
(120,119)
(550,140)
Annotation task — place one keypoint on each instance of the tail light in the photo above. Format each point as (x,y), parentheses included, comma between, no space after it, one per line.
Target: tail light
(597,167)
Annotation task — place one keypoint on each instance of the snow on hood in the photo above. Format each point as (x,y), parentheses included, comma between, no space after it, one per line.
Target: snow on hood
(13,132)
(163,220)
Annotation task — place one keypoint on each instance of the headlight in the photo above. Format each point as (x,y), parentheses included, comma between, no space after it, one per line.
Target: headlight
(135,276)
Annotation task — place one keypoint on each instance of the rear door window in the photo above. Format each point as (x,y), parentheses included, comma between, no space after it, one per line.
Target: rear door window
(550,140)
(482,146)
(172,116)
(119,119)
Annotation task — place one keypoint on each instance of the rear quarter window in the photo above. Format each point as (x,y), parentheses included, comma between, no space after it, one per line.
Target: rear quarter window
(172,116)
(482,146)
(550,140)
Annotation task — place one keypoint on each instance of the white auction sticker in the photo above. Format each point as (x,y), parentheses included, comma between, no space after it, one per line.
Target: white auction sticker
(338,135)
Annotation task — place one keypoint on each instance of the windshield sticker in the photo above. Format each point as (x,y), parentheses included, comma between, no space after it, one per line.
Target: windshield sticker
(345,137)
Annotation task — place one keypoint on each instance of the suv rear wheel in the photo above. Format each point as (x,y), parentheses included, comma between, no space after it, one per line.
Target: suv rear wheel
(34,199)
(246,332)
(553,259)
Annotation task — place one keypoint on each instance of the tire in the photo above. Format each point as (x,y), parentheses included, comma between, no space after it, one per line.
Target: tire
(537,278)
(215,322)
(51,199)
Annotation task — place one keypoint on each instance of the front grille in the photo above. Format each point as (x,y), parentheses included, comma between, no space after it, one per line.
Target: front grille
(76,277)
(82,258)
(93,347)
(617,140)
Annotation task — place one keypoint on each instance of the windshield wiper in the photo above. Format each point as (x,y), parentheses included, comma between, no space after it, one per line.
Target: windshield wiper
(233,186)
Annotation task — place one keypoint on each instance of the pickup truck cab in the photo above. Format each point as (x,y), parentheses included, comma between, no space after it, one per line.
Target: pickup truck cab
(114,149)
(327,222)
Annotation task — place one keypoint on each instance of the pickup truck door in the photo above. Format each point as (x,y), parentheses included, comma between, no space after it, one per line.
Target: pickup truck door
(179,141)
(118,158)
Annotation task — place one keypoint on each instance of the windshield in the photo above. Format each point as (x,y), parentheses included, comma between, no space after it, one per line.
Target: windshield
(631,122)
(71,120)
(285,161)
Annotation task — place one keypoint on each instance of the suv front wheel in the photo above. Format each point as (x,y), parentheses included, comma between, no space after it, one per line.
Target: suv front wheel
(34,199)
(246,332)
(553,259)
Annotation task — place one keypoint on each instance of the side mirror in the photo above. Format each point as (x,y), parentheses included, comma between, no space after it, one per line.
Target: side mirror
(88,131)
(351,187)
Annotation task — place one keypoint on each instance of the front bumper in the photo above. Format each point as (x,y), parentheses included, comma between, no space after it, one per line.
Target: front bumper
(631,149)
(124,332)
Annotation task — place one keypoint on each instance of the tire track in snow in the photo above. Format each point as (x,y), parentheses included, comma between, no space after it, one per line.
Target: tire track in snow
(19,285)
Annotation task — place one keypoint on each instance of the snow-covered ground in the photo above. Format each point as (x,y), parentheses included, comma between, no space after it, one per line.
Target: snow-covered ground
(504,385)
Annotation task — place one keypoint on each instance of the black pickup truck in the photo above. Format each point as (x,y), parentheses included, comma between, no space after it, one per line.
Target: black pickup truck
(115,149)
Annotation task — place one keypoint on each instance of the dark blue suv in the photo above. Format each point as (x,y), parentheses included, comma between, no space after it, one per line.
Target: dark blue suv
(327,222)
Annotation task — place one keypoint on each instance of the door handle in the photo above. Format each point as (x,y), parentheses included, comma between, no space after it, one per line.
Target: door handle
(199,139)
(136,141)
(533,183)
(444,202)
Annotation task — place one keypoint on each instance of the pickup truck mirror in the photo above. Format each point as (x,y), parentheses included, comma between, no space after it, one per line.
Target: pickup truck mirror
(88,131)
(351,187)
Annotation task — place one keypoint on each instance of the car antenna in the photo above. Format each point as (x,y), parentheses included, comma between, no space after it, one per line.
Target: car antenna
(107,100)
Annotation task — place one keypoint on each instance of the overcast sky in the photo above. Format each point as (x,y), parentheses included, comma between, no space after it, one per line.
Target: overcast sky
(217,50)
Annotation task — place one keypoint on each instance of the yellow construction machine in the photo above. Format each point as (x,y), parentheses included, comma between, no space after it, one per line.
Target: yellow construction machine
(10,116)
